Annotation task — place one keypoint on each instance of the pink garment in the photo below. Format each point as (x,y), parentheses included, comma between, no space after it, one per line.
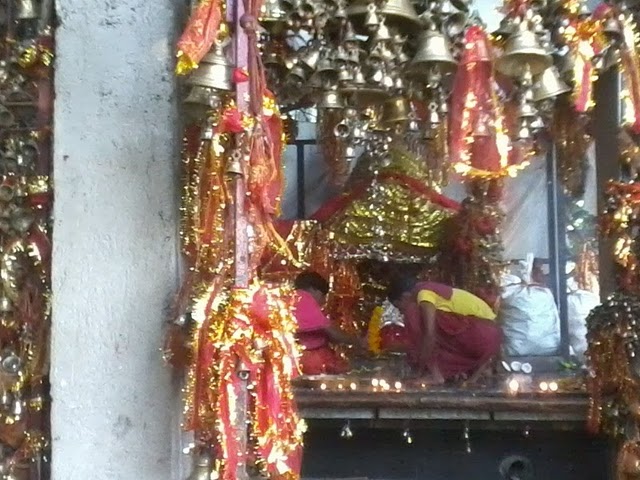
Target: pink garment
(311,321)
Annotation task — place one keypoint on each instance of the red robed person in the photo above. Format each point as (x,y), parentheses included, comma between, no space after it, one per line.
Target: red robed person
(451,333)
(315,332)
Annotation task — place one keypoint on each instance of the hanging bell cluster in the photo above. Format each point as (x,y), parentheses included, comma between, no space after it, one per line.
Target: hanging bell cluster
(364,61)
(385,67)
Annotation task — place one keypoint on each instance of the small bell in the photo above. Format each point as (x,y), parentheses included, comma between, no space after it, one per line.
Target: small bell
(6,305)
(272,16)
(7,191)
(433,115)
(345,75)
(201,467)
(11,363)
(549,85)
(346,431)
(463,5)
(526,110)
(6,399)
(310,57)
(524,131)
(505,28)
(26,10)
(382,34)
(395,111)
(523,51)
(6,117)
(612,29)
(342,131)
(349,155)
(330,100)
(434,50)
(17,409)
(298,75)
(29,150)
(371,20)
(214,70)
(456,23)
(21,220)
(234,164)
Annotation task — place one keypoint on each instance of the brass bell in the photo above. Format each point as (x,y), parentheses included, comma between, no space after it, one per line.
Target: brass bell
(234,164)
(549,85)
(395,111)
(371,20)
(434,50)
(201,467)
(272,16)
(330,100)
(202,96)
(17,409)
(456,23)
(29,150)
(505,28)
(382,34)
(6,117)
(214,70)
(6,305)
(26,10)
(310,56)
(297,74)
(7,191)
(612,28)
(461,4)
(394,11)
(11,362)
(526,110)
(523,50)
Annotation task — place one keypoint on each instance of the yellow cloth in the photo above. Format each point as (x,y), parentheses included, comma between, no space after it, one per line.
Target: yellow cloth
(461,303)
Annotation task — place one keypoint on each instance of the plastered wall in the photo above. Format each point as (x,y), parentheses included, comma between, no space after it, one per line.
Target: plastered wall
(115,260)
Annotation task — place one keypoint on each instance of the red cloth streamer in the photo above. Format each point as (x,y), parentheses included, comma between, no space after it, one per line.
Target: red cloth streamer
(199,35)
(478,144)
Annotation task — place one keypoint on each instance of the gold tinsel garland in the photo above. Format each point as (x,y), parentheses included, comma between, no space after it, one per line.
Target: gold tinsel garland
(254,325)
(25,244)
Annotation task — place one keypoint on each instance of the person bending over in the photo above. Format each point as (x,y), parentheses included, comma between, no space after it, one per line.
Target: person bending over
(452,333)
(315,331)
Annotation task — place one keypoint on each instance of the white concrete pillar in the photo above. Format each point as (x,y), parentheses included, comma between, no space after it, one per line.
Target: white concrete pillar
(115,258)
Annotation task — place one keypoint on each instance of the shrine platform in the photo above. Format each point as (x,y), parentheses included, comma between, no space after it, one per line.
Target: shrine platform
(557,401)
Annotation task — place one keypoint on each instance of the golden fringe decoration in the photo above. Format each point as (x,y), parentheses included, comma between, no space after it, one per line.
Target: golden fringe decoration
(255,327)
(373,333)
(572,142)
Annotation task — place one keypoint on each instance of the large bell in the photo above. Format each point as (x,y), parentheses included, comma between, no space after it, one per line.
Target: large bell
(214,70)
(523,50)
(434,50)
(26,10)
(394,11)
(549,85)
(201,468)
